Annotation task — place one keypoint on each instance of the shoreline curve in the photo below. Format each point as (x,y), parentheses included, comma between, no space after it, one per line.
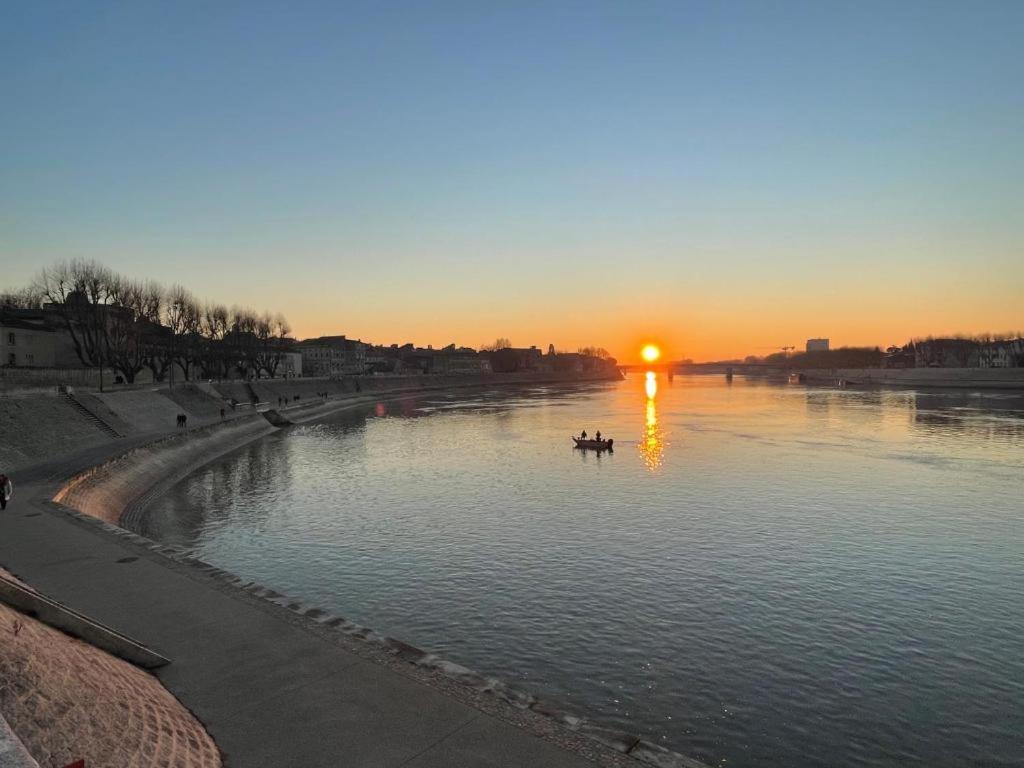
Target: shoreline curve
(116,493)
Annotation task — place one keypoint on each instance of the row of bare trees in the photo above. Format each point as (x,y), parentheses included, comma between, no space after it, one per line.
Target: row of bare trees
(130,325)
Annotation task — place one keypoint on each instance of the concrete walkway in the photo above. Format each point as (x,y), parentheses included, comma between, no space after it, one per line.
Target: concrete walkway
(272,688)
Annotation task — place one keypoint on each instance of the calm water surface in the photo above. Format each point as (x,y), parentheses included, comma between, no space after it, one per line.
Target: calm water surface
(759,575)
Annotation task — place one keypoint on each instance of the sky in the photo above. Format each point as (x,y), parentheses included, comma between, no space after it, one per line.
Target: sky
(723,178)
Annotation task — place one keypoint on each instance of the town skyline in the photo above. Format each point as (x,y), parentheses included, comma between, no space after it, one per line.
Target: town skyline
(154,298)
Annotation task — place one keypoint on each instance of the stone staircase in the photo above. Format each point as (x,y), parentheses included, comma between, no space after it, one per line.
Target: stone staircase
(99,423)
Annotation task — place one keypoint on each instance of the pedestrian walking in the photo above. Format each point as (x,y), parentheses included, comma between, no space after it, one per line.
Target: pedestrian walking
(6,489)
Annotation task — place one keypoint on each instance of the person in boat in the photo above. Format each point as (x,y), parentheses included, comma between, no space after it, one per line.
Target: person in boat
(583,435)
(598,436)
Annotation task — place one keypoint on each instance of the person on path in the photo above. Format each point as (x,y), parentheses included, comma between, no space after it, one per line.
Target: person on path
(6,490)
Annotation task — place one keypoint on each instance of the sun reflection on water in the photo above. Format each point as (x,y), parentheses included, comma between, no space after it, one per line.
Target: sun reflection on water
(652,445)
(651,387)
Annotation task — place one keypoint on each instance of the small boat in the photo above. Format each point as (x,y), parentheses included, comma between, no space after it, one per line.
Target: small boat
(594,445)
(797,378)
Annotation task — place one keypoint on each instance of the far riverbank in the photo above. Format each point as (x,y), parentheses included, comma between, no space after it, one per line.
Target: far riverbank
(929,378)
(951,378)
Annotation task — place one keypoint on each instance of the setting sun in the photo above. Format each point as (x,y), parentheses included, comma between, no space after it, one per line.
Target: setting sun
(650,353)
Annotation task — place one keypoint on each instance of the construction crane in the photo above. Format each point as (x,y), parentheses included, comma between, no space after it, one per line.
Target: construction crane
(787,350)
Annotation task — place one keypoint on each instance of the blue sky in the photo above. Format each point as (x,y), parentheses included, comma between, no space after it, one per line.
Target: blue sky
(457,171)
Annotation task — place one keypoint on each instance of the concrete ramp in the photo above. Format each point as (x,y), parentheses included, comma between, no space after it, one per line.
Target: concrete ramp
(144,410)
(48,611)
(275,418)
(198,403)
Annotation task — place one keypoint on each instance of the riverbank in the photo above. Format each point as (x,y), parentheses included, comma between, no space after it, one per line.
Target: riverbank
(329,690)
(951,378)
(926,378)
(106,490)
(43,423)
(122,485)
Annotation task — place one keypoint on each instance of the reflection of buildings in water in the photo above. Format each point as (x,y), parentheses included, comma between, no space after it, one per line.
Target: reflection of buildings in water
(841,409)
(501,401)
(652,444)
(867,403)
(987,416)
(983,415)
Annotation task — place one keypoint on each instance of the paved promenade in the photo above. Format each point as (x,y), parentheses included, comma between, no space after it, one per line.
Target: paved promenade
(273,688)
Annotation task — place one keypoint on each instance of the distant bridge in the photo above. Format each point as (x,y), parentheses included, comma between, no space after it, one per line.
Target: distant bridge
(678,367)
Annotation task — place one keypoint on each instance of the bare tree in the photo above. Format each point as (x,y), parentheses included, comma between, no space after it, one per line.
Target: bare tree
(80,292)
(133,317)
(167,339)
(499,344)
(129,325)
(271,332)
(242,342)
(22,298)
(188,322)
(214,329)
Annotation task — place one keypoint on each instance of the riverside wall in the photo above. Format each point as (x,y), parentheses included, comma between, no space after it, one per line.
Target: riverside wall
(954,378)
(104,491)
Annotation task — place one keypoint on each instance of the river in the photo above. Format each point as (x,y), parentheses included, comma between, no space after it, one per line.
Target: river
(760,574)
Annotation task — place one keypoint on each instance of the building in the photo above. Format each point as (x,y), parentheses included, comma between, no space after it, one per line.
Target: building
(291,365)
(459,361)
(817,345)
(320,358)
(1007,353)
(898,357)
(355,357)
(26,340)
(514,359)
(947,353)
(332,356)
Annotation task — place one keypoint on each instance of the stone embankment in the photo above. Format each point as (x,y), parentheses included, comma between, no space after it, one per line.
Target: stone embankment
(37,425)
(954,378)
(107,490)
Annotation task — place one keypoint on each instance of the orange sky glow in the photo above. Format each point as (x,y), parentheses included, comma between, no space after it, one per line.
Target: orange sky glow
(699,328)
